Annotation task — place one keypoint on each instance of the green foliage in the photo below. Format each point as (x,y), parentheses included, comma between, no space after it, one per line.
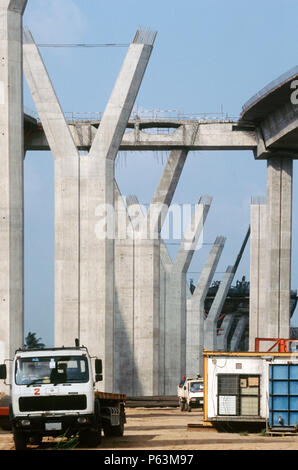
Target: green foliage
(31,342)
(67,444)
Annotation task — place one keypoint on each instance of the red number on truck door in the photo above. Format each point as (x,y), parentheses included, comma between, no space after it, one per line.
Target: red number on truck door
(37,391)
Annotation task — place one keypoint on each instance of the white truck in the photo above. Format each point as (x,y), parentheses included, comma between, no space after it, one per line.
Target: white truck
(53,393)
(191,394)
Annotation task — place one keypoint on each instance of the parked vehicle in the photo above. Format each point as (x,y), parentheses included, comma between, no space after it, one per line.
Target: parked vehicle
(53,393)
(191,394)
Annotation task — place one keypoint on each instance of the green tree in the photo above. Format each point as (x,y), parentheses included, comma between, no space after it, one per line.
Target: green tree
(31,342)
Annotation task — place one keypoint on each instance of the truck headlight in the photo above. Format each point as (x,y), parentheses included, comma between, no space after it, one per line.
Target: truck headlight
(25,422)
(82,420)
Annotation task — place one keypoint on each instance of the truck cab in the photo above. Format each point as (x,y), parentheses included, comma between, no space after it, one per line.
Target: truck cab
(53,394)
(191,394)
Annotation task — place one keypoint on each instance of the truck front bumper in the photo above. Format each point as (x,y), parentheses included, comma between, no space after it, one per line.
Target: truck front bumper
(196,402)
(53,425)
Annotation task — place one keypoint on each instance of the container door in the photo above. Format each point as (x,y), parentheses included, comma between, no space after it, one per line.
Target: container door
(283,395)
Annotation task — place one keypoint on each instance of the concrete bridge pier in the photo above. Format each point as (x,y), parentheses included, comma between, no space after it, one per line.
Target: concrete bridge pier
(147,241)
(273,112)
(124,366)
(11,181)
(175,315)
(258,271)
(195,311)
(279,206)
(84,250)
(97,244)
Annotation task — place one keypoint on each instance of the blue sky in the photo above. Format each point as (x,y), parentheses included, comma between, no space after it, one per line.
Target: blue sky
(208,55)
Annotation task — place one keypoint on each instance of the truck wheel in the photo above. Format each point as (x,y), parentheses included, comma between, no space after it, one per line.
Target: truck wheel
(35,439)
(92,437)
(20,441)
(116,431)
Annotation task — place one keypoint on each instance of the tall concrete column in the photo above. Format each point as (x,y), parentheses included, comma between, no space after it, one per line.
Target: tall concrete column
(258,271)
(238,333)
(124,369)
(11,180)
(175,301)
(195,311)
(173,292)
(67,195)
(147,278)
(279,205)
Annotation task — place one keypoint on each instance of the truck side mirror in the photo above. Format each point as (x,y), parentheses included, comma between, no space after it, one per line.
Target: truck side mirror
(3,371)
(98,366)
(98,377)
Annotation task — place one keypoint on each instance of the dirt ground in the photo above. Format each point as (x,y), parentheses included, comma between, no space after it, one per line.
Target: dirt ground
(166,429)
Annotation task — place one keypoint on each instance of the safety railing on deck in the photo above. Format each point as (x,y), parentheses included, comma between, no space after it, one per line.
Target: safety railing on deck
(141,114)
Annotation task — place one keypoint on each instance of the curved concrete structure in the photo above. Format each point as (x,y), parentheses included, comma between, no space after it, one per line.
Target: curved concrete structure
(274,111)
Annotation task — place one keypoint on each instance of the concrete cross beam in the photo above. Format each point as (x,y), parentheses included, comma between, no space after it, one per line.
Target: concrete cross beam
(190,135)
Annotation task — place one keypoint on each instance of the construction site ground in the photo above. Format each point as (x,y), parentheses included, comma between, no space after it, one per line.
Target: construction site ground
(167,429)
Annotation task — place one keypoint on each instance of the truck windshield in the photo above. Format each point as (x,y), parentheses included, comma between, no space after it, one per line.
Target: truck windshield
(51,370)
(196,386)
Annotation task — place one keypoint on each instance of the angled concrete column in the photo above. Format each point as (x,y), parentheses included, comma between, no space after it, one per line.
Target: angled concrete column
(258,271)
(238,333)
(175,300)
(67,194)
(210,324)
(195,311)
(11,180)
(222,338)
(279,206)
(147,379)
(124,369)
